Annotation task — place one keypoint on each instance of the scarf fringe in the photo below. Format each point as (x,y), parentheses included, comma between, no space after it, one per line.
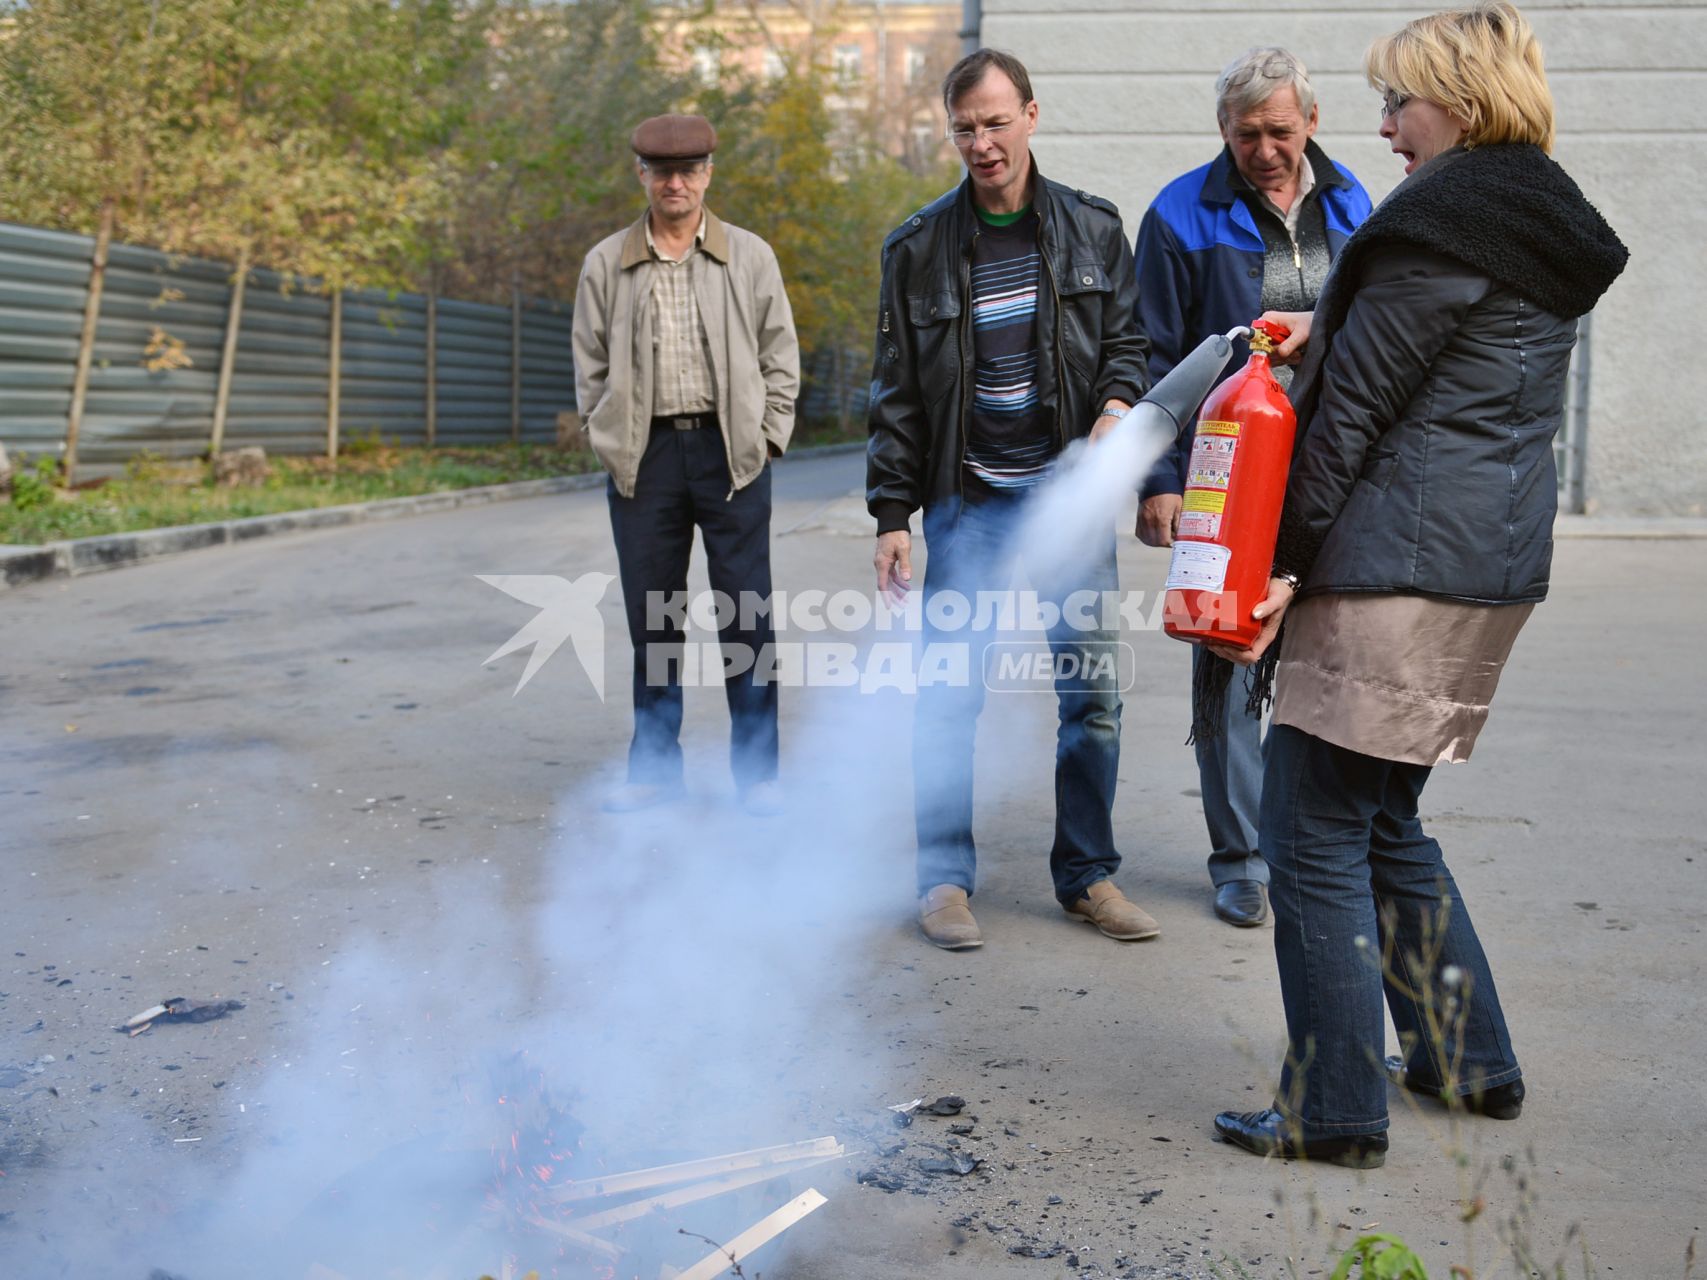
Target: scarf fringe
(1212,677)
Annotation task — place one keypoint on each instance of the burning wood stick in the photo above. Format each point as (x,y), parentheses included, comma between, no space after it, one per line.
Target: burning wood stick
(699,1191)
(144,1018)
(669,1174)
(592,1244)
(761,1232)
(178,1009)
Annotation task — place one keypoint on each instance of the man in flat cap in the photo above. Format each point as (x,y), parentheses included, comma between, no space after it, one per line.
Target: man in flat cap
(686,370)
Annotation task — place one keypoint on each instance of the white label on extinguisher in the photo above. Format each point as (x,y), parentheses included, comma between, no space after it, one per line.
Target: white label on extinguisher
(1198,566)
(1211,465)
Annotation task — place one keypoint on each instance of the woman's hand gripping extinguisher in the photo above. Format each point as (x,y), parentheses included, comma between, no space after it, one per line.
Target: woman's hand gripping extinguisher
(1235,484)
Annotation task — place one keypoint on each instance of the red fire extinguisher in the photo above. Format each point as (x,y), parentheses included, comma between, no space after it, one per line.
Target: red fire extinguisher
(1235,484)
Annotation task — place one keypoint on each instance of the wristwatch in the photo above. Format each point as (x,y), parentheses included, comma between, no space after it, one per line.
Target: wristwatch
(1288,577)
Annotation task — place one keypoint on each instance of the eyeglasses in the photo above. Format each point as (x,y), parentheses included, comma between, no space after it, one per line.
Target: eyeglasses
(664,170)
(966,139)
(1391,101)
(1276,65)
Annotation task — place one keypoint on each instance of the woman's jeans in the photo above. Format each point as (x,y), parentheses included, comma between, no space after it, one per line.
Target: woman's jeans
(1363,903)
(972,552)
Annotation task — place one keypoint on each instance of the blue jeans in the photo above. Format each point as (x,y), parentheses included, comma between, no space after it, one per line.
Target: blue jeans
(971,554)
(1229,771)
(1363,904)
(683,482)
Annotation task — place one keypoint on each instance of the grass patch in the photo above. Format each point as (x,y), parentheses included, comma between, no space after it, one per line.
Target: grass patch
(154,493)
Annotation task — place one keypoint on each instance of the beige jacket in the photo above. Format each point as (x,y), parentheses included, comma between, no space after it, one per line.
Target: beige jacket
(749,327)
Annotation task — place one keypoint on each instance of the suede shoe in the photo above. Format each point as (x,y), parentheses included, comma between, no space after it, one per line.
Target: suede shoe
(1241,903)
(1268,1133)
(1109,910)
(1502,1102)
(947,920)
(631,797)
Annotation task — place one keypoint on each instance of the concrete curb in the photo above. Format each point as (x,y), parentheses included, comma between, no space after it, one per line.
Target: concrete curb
(71,559)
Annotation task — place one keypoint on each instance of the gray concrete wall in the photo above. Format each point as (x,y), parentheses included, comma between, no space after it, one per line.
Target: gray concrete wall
(1126,89)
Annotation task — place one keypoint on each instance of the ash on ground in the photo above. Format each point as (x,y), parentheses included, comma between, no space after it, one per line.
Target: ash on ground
(994,1179)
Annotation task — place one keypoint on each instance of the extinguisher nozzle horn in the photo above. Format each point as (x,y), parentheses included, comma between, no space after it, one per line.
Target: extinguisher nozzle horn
(1189,381)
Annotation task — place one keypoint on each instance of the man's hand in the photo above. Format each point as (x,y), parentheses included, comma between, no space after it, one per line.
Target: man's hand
(1292,350)
(894,563)
(1268,613)
(1108,419)
(1158,519)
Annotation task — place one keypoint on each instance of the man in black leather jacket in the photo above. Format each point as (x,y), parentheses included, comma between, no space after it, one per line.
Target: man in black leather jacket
(1006,329)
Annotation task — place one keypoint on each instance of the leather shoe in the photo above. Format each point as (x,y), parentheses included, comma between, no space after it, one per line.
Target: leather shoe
(947,920)
(1109,910)
(1241,903)
(1268,1133)
(763,799)
(1502,1102)
(631,797)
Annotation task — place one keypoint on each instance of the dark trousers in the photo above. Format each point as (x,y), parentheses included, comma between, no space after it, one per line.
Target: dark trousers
(1364,904)
(684,482)
(971,554)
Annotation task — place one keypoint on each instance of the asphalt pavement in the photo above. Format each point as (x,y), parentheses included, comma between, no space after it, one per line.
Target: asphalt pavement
(283,773)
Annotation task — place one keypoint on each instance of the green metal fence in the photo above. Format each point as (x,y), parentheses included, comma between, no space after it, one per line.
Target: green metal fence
(494,373)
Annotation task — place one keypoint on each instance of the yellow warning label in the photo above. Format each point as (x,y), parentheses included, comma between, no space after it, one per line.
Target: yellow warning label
(1205,500)
(1210,427)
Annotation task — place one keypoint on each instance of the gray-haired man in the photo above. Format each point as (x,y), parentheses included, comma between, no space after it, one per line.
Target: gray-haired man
(1254,230)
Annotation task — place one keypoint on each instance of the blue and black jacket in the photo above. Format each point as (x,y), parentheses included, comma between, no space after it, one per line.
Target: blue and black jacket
(1199,258)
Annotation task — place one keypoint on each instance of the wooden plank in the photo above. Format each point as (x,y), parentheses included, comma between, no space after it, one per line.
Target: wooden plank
(698,1191)
(760,1233)
(591,1244)
(433,361)
(335,375)
(86,344)
(228,352)
(692,1170)
(515,358)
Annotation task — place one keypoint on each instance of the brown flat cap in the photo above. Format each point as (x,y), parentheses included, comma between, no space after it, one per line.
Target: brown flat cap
(674,138)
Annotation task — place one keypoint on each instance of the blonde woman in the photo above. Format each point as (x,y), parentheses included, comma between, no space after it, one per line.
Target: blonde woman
(1416,539)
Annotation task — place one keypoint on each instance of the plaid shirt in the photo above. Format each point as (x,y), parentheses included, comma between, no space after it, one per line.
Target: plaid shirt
(681,381)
